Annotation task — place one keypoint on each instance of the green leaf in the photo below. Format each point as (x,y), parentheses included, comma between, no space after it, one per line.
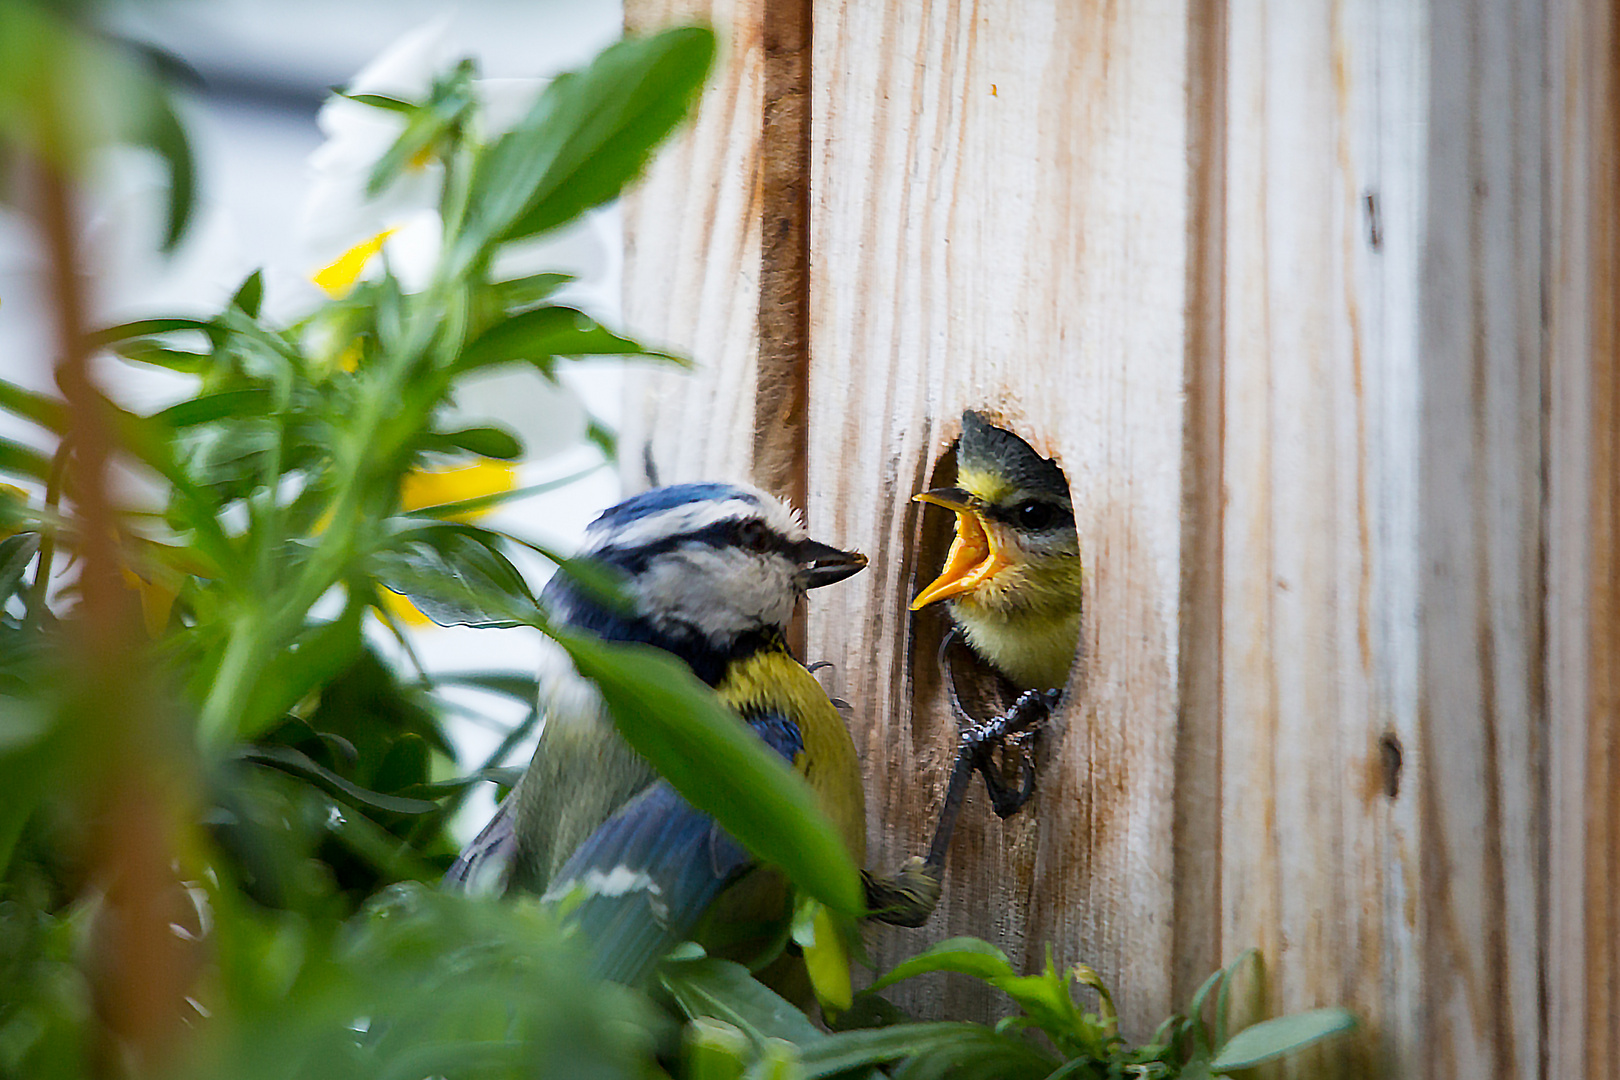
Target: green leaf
(945,1045)
(166,136)
(1046,1000)
(313,659)
(508,683)
(720,766)
(292,761)
(964,955)
(587,136)
(206,408)
(19,460)
(145,351)
(1223,999)
(517,293)
(447,107)
(48,412)
(1284,1035)
(1202,1040)
(542,333)
(714,1050)
(490,442)
(722,990)
(16,552)
(384,102)
(455,576)
(598,128)
(778,1060)
(141,328)
(249,296)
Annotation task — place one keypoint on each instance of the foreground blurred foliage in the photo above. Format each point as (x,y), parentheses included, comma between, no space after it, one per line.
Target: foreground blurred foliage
(224,812)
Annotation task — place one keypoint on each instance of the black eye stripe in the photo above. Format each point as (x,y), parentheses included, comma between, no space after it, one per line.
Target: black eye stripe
(1036,515)
(722,534)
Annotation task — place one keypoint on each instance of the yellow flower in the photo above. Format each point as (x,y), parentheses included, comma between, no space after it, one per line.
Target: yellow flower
(422,488)
(337,278)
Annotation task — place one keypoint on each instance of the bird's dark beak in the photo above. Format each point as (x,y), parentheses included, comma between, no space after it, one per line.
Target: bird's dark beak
(951,498)
(822,564)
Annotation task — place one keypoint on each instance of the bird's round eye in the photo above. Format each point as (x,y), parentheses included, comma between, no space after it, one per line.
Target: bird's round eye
(1035,515)
(754,535)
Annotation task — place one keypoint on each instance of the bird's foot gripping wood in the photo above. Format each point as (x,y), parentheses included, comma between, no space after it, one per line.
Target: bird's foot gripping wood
(1010,731)
(907,898)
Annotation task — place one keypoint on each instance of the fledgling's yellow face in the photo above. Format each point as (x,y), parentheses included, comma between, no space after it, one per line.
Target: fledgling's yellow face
(1012,578)
(997,562)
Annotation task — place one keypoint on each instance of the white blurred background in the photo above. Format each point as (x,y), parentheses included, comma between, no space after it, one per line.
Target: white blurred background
(265,71)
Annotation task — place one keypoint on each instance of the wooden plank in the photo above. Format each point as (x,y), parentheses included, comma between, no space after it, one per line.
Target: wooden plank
(1583,612)
(999,220)
(1480,690)
(781,447)
(1318,640)
(1384,799)
(692,263)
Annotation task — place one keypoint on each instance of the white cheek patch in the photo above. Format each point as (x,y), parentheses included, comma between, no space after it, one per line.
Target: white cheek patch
(720,592)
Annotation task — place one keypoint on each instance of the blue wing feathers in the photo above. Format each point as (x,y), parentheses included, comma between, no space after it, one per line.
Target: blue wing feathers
(485,865)
(651,870)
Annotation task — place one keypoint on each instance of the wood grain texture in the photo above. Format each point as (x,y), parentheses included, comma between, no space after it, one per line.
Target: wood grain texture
(1583,622)
(999,220)
(692,263)
(1318,639)
(1481,703)
(1384,807)
(782,390)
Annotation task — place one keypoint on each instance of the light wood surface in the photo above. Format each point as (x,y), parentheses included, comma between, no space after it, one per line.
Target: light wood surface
(692,263)
(1315,304)
(999,220)
(1583,539)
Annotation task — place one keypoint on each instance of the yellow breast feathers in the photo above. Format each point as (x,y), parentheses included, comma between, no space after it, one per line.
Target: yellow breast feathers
(772,681)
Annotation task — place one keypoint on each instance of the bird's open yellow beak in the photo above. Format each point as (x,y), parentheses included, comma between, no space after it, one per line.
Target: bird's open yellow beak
(975,556)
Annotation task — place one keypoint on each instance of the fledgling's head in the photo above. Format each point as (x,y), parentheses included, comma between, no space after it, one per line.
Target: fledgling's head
(1016,549)
(718,563)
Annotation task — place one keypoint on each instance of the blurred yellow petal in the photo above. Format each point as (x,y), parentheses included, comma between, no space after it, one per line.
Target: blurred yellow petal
(434,487)
(8,493)
(421,159)
(402,609)
(349,358)
(157,600)
(338,278)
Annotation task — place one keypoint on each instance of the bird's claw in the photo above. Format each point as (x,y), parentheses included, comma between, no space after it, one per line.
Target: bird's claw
(1012,729)
(908,897)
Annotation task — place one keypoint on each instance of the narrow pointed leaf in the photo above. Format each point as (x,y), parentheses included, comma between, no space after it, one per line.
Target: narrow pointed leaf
(713,759)
(538,335)
(1273,1038)
(964,955)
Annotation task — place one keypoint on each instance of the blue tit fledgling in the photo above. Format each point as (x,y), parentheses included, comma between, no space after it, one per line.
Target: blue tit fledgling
(713,573)
(1013,584)
(1012,580)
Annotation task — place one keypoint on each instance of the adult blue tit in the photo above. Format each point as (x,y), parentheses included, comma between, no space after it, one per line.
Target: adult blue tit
(1012,579)
(1013,584)
(712,573)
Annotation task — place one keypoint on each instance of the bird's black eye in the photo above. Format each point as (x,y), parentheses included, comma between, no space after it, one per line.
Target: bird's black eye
(755,535)
(1031,514)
